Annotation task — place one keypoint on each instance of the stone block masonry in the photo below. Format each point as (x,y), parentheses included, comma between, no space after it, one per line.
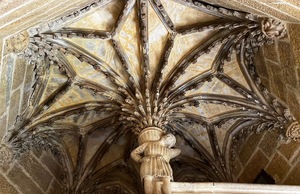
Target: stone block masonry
(280,159)
(30,175)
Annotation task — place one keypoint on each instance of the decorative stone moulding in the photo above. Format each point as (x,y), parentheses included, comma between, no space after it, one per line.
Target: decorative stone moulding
(273,28)
(293,131)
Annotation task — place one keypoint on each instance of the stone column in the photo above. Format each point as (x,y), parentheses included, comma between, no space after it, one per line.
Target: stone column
(154,153)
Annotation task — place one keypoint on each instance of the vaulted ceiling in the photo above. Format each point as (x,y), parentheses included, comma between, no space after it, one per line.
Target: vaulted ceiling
(113,68)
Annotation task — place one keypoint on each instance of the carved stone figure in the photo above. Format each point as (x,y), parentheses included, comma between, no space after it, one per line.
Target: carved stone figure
(154,154)
(293,131)
(273,28)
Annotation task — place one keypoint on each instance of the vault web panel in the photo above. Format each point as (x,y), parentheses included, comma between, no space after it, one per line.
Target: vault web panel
(95,140)
(55,80)
(86,71)
(157,37)
(182,15)
(182,45)
(200,134)
(108,15)
(115,152)
(203,64)
(72,145)
(221,132)
(233,70)
(208,110)
(128,39)
(217,87)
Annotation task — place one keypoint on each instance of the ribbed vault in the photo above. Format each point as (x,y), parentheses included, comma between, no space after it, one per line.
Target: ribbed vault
(113,68)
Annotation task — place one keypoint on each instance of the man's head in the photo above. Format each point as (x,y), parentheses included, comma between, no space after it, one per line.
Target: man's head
(169,140)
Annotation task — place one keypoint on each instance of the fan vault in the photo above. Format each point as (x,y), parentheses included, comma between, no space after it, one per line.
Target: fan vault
(113,68)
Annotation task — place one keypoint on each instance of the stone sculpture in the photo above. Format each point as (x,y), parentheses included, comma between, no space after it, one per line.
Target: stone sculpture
(154,154)
(293,131)
(273,28)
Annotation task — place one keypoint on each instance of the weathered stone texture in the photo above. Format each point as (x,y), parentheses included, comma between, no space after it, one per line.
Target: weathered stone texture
(293,101)
(260,64)
(24,182)
(286,57)
(27,89)
(55,188)
(294,177)
(278,168)
(6,187)
(4,83)
(289,149)
(270,52)
(253,168)
(19,71)
(279,159)
(28,175)
(268,143)
(39,174)
(237,168)
(293,30)
(249,148)
(54,167)
(14,107)
(3,122)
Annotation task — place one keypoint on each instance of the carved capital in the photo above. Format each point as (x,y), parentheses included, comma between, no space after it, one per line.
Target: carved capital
(150,134)
(6,155)
(273,28)
(18,43)
(293,131)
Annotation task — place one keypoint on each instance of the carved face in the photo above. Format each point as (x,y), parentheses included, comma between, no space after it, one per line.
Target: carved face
(169,140)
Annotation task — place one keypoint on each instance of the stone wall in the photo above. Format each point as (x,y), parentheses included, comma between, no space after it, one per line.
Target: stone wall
(35,172)
(280,68)
(16,81)
(280,159)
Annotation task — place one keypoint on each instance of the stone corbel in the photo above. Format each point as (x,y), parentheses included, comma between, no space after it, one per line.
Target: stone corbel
(6,155)
(293,131)
(18,42)
(273,28)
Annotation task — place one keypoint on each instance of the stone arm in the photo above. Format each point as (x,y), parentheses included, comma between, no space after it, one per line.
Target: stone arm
(136,153)
(174,153)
